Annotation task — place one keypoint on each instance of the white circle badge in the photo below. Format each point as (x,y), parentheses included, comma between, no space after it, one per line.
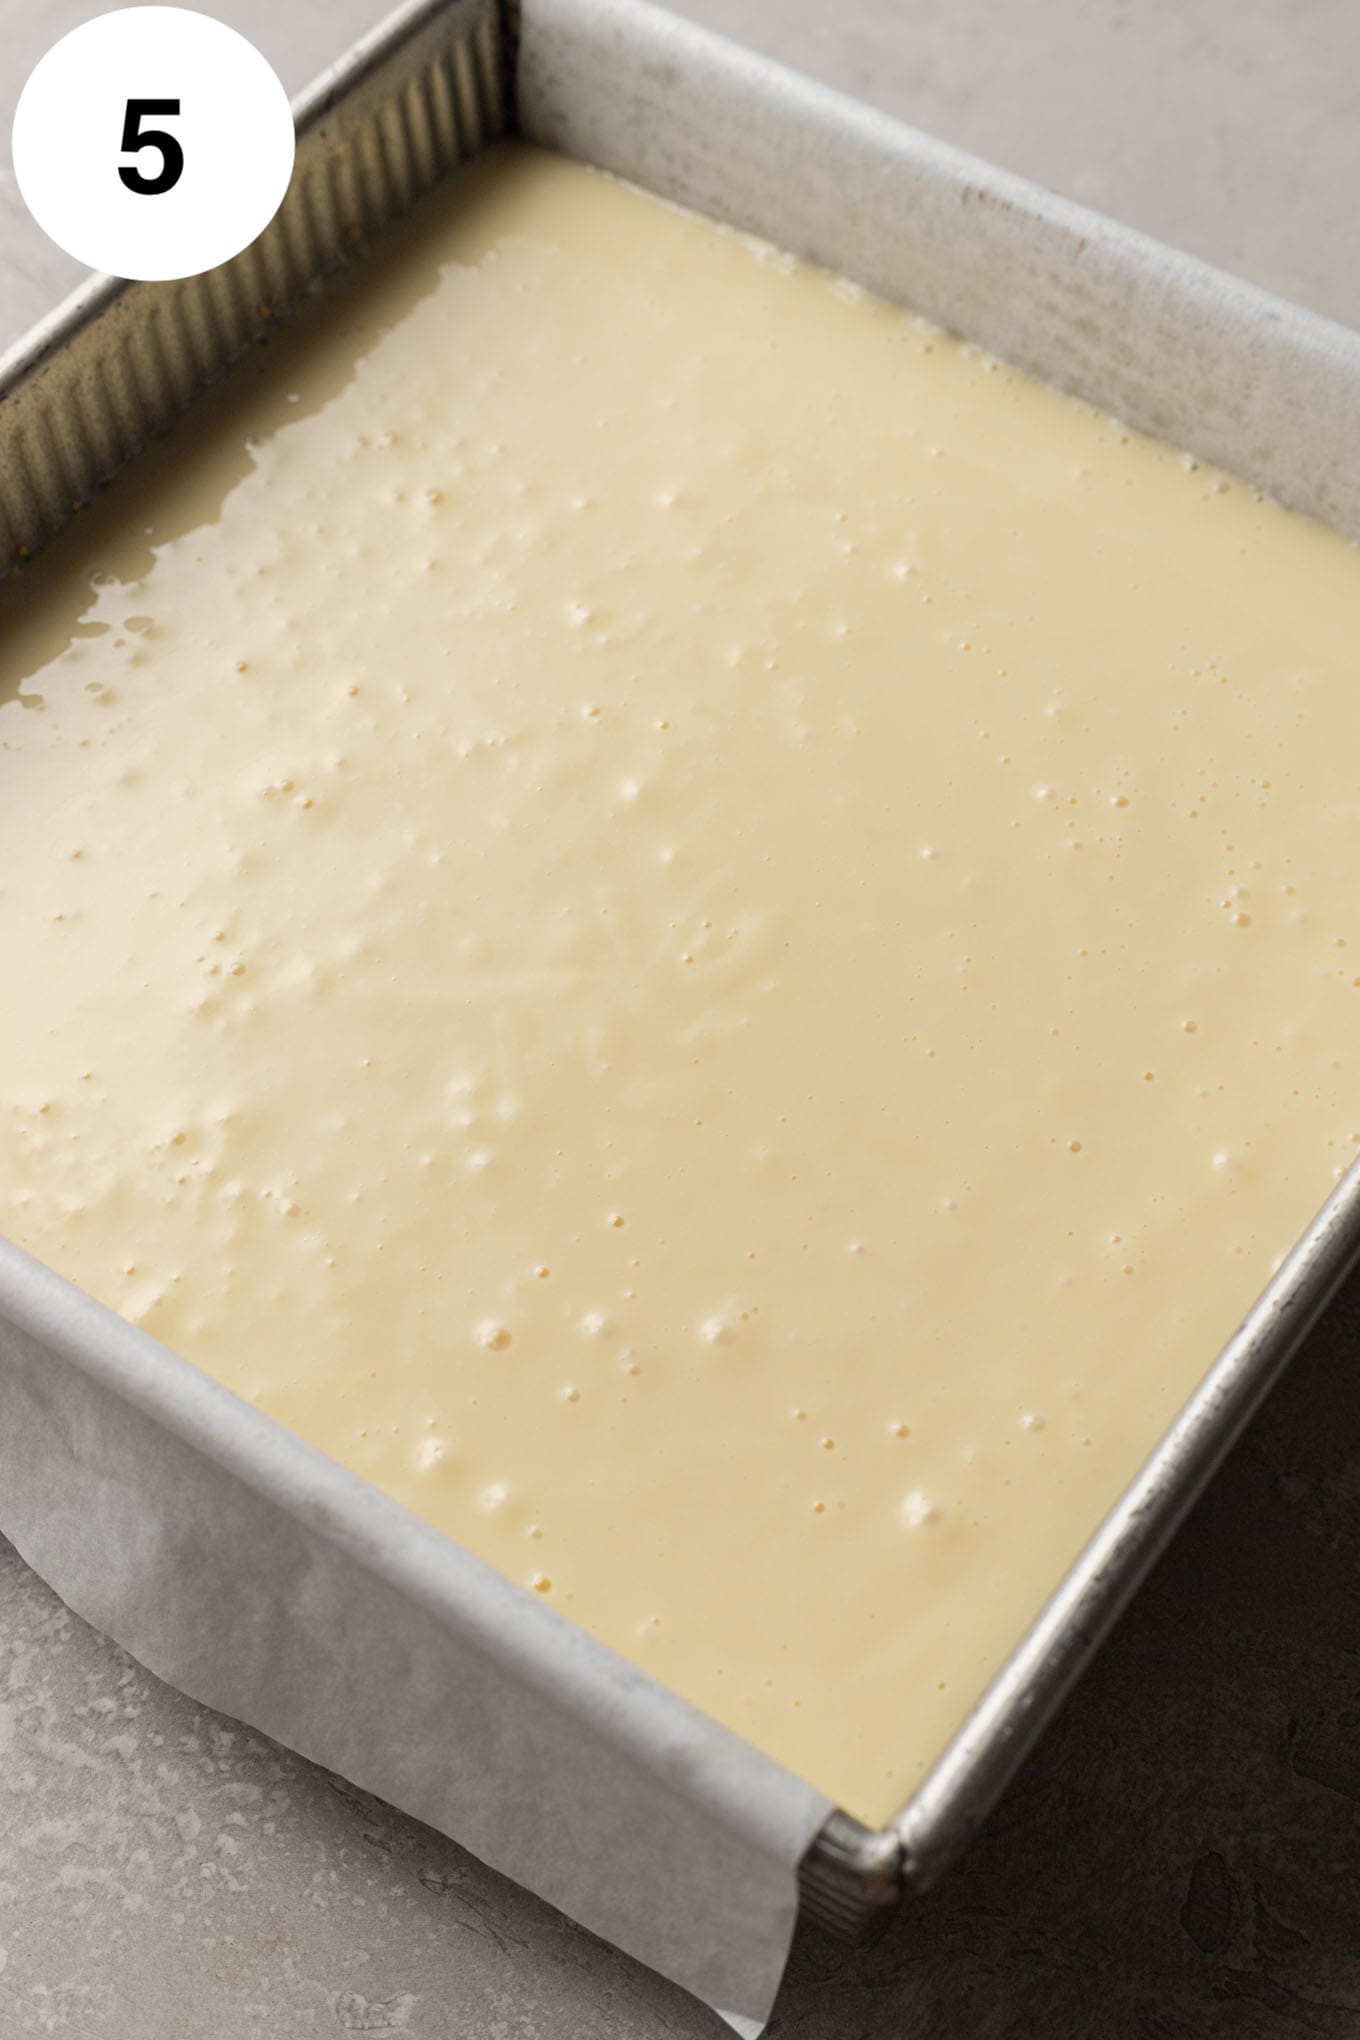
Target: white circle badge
(153,143)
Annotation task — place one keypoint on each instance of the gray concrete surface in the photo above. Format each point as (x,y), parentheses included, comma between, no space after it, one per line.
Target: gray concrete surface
(1181,1859)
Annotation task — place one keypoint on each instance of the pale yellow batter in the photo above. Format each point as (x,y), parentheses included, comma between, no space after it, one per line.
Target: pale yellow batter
(710,936)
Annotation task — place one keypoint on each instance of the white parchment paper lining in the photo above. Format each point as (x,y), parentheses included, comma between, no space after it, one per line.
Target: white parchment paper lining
(248,1569)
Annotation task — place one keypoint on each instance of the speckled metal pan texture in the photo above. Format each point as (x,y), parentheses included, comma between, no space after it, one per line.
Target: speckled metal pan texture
(118,363)
(629,1810)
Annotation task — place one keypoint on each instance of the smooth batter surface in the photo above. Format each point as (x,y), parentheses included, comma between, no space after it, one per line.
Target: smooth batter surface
(711,937)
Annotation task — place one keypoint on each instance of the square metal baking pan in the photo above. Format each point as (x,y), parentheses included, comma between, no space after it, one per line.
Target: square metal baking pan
(1159,340)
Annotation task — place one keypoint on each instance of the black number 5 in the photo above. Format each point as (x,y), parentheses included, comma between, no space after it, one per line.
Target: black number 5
(136,137)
